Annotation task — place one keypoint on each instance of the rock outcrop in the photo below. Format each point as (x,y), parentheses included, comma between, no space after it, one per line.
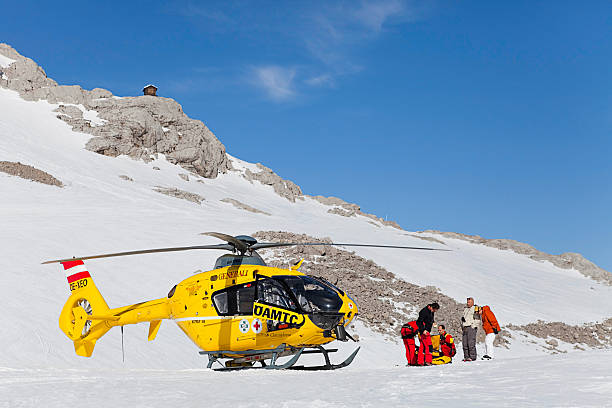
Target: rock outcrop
(243,206)
(182,194)
(29,173)
(342,208)
(135,126)
(282,187)
(590,334)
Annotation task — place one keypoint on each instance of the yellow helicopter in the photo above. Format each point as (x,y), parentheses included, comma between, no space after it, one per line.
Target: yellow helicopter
(242,311)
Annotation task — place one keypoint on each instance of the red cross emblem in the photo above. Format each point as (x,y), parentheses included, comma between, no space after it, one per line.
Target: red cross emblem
(256,325)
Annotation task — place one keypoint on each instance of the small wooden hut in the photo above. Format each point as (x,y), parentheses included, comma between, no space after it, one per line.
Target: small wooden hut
(150,90)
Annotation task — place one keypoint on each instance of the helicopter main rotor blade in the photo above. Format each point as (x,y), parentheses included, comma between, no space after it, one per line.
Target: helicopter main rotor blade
(263,245)
(239,245)
(145,251)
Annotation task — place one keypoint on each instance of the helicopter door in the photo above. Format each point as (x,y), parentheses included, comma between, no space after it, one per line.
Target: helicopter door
(273,292)
(235,301)
(276,306)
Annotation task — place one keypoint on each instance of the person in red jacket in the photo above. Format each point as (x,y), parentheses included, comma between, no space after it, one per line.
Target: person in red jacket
(409,331)
(491,328)
(425,322)
(447,342)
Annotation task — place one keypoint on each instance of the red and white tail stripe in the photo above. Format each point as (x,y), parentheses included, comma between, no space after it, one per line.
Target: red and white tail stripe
(75,270)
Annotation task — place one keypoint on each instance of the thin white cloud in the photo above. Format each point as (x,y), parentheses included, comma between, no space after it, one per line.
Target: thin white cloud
(326,36)
(276,81)
(207,13)
(333,33)
(321,80)
(374,14)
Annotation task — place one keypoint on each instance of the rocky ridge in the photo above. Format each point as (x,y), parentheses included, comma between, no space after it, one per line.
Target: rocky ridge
(342,208)
(282,187)
(567,260)
(135,126)
(597,335)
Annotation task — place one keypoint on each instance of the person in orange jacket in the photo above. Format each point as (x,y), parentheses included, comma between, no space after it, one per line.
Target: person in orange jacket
(491,328)
(409,332)
(447,343)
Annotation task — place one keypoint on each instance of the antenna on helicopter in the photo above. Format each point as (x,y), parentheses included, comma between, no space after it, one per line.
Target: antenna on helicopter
(122,349)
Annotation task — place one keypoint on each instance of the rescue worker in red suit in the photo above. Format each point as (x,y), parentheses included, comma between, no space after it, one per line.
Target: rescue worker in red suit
(425,322)
(447,343)
(409,331)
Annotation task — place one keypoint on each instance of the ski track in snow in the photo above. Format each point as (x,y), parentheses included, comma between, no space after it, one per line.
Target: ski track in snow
(572,380)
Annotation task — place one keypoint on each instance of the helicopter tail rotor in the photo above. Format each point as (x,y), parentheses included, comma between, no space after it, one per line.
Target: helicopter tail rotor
(77,319)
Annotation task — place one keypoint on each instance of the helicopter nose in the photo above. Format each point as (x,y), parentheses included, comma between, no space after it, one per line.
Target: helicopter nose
(350,309)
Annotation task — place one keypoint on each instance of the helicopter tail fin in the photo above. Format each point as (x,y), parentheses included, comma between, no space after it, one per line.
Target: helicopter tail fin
(79,317)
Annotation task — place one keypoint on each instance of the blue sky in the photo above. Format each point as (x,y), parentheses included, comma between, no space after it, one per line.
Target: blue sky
(489,118)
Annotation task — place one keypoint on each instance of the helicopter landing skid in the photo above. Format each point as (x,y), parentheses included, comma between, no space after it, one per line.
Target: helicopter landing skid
(248,362)
(254,356)
(328,365)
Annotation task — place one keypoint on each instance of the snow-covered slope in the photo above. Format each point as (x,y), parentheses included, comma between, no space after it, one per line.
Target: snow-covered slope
(97,211)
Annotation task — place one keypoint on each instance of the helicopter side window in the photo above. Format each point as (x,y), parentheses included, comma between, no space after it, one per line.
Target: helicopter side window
(273,293)
(237,300)
(221,304)
(245,296)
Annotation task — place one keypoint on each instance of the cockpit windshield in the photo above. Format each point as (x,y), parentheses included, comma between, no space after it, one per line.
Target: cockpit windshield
(312,295)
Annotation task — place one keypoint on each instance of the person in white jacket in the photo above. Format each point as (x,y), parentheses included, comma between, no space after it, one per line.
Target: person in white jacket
(470,322)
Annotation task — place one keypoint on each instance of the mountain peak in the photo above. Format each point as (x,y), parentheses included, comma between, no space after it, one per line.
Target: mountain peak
(138,126)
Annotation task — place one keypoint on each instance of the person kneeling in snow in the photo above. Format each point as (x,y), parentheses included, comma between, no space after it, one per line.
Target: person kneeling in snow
(491,328)
(443,347)
(447,342)
(409,331)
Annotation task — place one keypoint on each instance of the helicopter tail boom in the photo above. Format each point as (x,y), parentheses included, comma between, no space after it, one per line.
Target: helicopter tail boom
(86,317)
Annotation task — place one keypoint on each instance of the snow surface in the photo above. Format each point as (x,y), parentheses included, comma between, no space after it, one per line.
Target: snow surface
(573,380)
(5,61)
(97,212)
(90,115)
